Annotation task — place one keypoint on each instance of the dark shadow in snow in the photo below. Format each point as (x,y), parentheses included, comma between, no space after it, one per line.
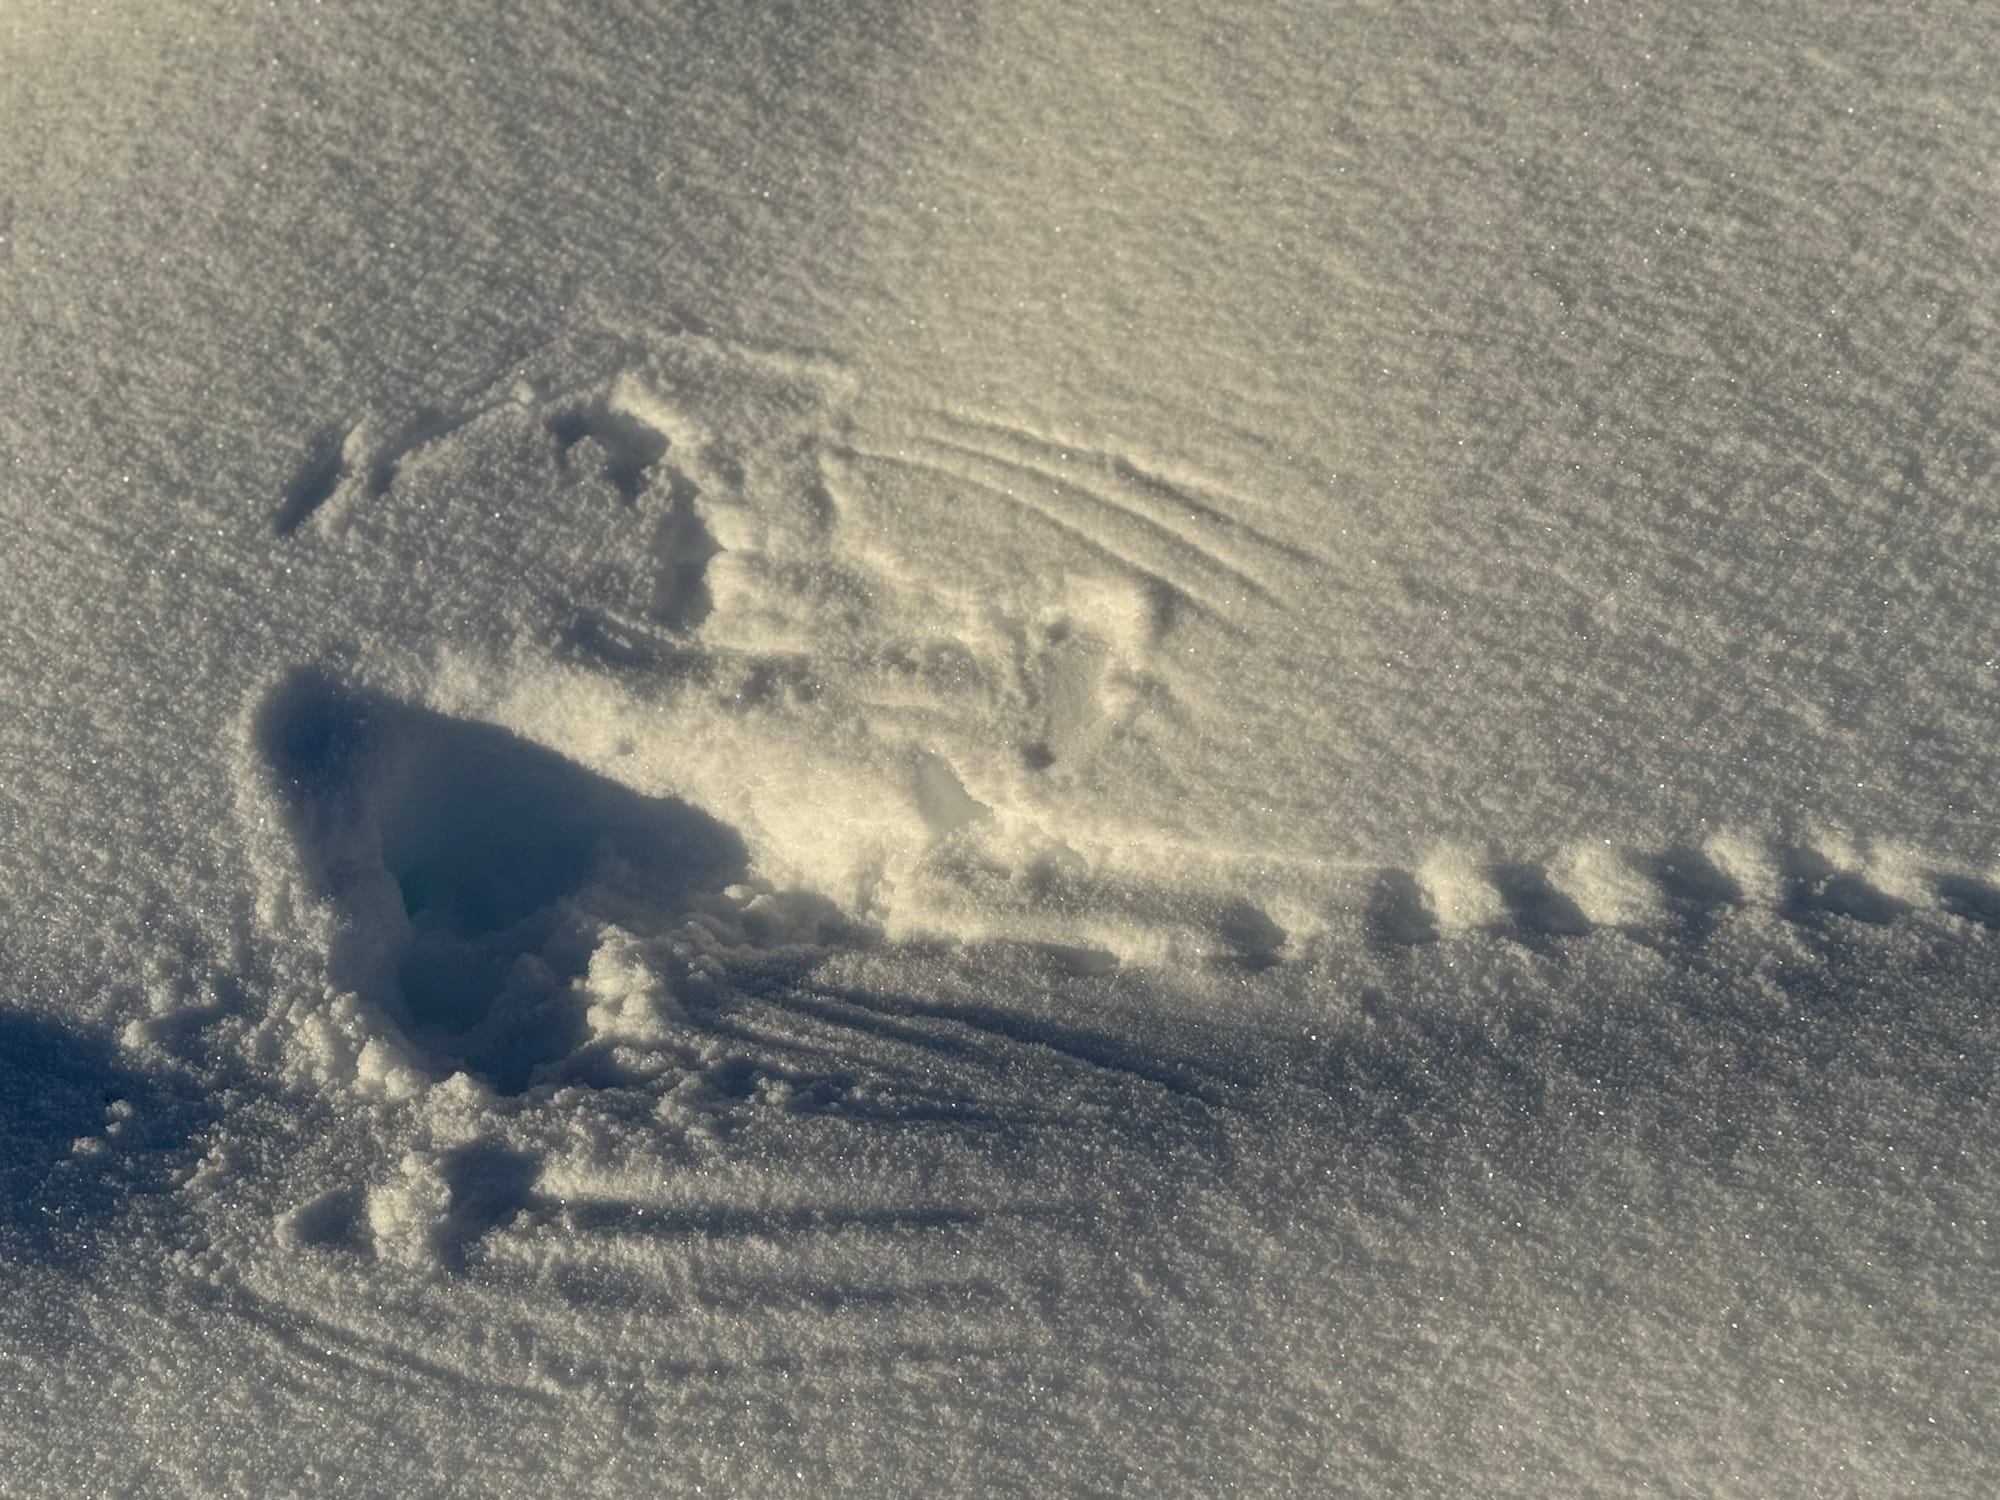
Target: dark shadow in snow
(1692,882)
(332,1221)
(630,451)
(627,447)
(489,1183)
(1398,914)
(80,1135)
(1253,940)
(427,426)
(1539,910)
(681,599)
(725,1222)
(314,484)
(1815,889)
(732,1078)
(457,853)
(1697,891)
(1974,900)
(1037,756)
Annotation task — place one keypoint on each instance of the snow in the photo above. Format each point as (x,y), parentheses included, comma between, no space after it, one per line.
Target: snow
(1001,749)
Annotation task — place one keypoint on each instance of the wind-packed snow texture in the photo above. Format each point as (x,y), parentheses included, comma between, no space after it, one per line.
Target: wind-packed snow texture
(1015,749)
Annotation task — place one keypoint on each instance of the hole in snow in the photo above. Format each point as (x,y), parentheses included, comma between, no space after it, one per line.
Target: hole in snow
(472,868)
(626,446)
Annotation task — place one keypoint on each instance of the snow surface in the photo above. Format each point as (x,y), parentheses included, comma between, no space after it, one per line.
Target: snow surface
(1003,749)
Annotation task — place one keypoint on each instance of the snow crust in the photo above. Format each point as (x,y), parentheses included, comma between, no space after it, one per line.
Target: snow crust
(1012,749)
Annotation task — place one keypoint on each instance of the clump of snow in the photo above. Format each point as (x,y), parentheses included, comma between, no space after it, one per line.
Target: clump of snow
(1607,887)
(1460,894)
(1753,866)
(628,1001)
(407,1213)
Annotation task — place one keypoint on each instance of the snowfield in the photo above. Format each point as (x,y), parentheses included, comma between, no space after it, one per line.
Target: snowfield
(1034,749)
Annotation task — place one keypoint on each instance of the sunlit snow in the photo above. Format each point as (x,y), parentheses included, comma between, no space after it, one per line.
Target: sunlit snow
(1041,749)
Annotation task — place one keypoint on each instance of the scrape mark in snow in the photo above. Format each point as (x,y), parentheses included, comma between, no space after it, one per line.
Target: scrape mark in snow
(1097,542)
(1118,481)
(317,480)
(428,425)
(364,459)
(681,598)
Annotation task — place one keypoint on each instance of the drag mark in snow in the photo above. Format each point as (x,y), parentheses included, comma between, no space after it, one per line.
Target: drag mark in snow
(1175,596)
(1086,921)
(732,1221)
(364,458)
(317,480)
(1114,478)
(649,649)
(428,425)
(1097,510)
